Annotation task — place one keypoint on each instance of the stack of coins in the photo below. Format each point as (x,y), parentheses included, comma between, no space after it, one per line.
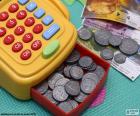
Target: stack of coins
(103,38)
(72,82)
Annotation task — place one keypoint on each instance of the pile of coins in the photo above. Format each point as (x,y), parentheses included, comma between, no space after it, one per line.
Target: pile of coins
(127,46)
(72,82)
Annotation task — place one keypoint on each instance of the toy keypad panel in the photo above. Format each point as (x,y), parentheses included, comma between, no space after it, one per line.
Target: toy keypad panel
(32,35)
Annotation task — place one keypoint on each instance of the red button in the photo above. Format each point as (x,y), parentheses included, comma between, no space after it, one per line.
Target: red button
(13,8)
(9,39)
(25,55)
(21,14)
(11,23)
(2,31)
(38,28)
(29,21)
(36,45)
(27,37)
(17,47)
(4,16)
(19,30)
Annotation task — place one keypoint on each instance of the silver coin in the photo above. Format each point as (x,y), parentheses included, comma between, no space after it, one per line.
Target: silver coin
(99,71)
(93,67)
(43,87)
(60,94)
(72,88)
(81,97)
(87,85)
(107,54)
(67,71)
(49,96)
(129,46)
(85,34)
(120,58)
(76,72)
(102,37)
(115,41)
(65,106)
(53,79)
(92,76)
(73,103)
(73,58)
(85,62)
(61,82)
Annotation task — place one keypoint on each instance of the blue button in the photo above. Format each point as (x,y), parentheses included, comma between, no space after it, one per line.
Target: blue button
(47,20)
(31,6)
(22,2)
(51,31)
(39,13)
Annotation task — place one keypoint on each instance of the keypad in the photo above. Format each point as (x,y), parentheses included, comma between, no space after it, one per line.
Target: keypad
(19,30)
(39,13)
(4,16)
(47,20)
(40,22)
(27,37)
(9,39)
(2,31)
(51,31)
(11,23)
(26,54)
(29,21)
(17,47)
(22,2)
(31,6)
(21,14)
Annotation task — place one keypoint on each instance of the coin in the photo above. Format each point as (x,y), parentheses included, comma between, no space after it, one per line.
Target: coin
(92,76)
(81,97)
(67,71)
(120,58)
(43,87)
(72,88)
(85,34)
(85,62)
(115,41)
(61,82)
(73,58)
(60,94)
(102,37)
(107,54)
(76,72)
(65,106)
(93,67)
(87,85)
(99,72)
(49,96)
(73,103)
(129,46)
(53,79)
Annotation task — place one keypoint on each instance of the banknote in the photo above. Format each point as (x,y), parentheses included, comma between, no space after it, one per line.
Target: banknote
(122,11)
(131,68)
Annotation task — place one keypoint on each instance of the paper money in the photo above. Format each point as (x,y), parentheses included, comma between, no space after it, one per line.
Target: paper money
(122,11)
(131,68)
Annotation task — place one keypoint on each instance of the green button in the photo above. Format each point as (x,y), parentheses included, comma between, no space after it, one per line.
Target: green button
(51,48)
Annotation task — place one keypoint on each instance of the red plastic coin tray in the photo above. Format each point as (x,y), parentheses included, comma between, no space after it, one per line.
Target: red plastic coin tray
(82,106)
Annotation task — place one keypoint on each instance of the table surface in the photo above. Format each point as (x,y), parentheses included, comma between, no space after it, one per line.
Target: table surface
(122,94)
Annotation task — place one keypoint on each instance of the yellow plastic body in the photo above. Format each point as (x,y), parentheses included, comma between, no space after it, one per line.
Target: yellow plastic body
(18,76)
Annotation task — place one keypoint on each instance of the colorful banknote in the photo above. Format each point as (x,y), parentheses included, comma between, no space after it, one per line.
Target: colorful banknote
(131,68)
(122,11)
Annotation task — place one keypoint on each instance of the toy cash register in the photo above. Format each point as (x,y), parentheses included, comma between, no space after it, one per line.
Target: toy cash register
(35,38)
